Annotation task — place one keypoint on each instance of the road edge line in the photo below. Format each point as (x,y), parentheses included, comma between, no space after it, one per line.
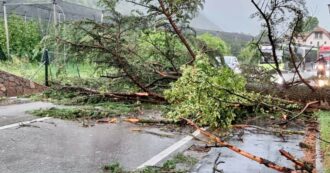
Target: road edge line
(168,151)
(23,123)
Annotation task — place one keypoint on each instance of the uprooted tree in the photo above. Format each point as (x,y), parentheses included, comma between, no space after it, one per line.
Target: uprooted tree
(151,48)
(146,49)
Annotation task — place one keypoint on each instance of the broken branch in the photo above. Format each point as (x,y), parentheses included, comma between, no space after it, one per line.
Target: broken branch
(150,121)
(302,165)
(300,113)
(260,160)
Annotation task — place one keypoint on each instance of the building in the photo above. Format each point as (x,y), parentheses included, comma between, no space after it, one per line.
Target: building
(317,38)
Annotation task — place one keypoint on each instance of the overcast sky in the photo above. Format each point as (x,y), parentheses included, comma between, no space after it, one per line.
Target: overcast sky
(234,15)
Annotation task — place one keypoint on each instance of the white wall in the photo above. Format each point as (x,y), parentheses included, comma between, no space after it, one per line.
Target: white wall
(325,41)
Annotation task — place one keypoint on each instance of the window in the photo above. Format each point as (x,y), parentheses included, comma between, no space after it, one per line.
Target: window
(325,43)
(318,44)
(311,42)
(318,35)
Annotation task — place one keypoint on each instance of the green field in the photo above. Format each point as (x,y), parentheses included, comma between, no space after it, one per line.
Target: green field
(325,135)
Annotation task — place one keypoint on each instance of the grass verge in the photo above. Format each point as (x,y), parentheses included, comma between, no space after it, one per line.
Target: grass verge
(325,134)
(78,113)
(180,163)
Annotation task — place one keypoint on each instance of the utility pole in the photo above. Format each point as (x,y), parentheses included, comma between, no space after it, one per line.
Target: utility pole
(55,28)
(6,28)
(54,14)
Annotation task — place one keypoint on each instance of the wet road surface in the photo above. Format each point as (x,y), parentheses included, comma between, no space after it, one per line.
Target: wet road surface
(57,146)
(266,146)
(14,113)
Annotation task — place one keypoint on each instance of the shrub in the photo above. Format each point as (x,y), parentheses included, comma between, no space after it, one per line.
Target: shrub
(24,36)
(204,94)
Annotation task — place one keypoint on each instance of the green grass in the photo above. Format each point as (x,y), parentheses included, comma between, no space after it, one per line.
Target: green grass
(325,134)
(95,110)
(168,166)
(85,113)
(35,71)
(270,66)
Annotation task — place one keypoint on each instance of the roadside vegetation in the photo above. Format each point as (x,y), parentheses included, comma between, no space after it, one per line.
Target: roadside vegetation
(325,135)
(179,163)
(152,59)
(35,70)
(88,107)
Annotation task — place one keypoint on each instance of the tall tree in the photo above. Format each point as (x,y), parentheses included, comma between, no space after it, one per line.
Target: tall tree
(310,23)
(281,19)
(214,47)
(249,54)
(176,14)
(145,48)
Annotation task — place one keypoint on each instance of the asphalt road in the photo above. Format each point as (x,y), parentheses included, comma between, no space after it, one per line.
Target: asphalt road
(57,146)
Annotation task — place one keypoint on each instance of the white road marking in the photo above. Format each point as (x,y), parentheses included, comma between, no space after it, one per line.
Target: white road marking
(162,155)
(24,123)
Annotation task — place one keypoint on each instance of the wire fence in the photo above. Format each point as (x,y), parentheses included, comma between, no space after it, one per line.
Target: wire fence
(49,14)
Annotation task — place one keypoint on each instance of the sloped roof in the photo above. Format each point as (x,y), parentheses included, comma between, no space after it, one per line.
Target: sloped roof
(318,29)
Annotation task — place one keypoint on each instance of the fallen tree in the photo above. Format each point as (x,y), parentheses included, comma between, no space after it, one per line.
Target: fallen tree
(125,97)
(299,93)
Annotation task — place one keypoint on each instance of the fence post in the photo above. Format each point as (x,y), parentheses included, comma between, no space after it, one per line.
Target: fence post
(46,61)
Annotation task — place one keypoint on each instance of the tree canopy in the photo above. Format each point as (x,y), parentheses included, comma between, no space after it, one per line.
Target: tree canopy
(310,23)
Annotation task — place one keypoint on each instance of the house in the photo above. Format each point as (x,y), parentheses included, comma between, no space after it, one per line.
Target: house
(317,38)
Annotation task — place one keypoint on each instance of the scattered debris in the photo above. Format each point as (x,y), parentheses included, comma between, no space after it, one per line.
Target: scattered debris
(150,121)
(304,145)
(27,125)
(302,166)
(274,131)
(300,113)
(88,123)
(107,121)
(166,135)
(198,148)
(217,162)
(260,160)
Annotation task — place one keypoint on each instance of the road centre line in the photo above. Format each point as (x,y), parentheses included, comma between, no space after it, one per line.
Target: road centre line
(24,123)
(168,151)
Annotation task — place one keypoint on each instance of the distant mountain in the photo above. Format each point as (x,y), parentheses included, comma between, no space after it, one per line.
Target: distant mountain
(202,22)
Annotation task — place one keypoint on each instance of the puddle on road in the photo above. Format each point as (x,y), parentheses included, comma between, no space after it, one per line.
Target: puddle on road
(263,145)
